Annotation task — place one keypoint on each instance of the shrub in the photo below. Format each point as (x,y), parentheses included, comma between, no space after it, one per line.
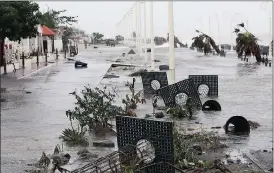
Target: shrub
(76,137)
(132,100)
(94,109)
(182,111)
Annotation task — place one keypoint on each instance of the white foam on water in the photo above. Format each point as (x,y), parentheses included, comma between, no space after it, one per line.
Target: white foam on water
(163,45)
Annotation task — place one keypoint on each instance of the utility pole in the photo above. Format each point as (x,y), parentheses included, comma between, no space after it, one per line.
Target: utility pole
(171,41)
(152,36)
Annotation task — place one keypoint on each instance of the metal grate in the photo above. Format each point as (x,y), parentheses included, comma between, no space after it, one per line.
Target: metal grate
(186,87)
(129,132)
(210,80)
(159,133)
(152,81)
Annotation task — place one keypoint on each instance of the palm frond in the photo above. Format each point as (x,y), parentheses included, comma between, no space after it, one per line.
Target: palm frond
(241,25)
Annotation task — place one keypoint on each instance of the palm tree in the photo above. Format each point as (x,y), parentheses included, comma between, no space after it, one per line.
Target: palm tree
(199,43)
(176,41)
(246,43)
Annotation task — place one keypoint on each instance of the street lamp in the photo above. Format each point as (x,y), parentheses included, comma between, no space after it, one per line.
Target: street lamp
(171,41)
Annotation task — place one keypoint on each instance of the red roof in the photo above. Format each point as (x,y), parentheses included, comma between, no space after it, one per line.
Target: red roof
(46,31)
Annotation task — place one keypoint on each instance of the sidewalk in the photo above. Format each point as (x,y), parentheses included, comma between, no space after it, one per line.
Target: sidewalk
(32,67)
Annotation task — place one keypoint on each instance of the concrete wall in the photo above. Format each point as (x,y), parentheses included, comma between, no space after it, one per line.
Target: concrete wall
(58,43)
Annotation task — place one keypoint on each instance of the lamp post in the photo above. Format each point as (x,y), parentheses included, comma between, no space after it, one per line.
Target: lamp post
(171,41)
(145,32)
(152,36)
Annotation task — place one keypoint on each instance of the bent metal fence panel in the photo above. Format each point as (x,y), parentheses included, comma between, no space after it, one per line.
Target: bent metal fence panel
(152,81)
(185,87)
(130,131)
(210,80)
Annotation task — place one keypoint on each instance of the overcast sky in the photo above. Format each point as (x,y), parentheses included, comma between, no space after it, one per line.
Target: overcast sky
(214,18)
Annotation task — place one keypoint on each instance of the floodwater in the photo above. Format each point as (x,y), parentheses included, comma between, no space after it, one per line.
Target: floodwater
(31,123)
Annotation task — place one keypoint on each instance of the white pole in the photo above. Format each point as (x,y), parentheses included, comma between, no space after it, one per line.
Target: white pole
(122,30)
(128,28)
(125,29)
(140,28)
(145,31)
(132,26)
(171,41)
(136,27)
(231,37)
(219,37)
(208,25)
(152,36)
(270,36)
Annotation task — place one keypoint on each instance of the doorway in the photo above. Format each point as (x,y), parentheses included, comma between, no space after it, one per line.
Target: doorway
(45,45)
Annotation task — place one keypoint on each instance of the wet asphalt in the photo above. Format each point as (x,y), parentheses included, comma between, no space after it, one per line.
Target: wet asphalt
(32,122)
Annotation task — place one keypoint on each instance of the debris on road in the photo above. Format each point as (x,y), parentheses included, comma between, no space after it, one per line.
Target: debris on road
(80,64)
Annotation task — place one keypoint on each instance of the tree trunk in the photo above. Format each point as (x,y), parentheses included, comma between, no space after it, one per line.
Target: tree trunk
(2,53)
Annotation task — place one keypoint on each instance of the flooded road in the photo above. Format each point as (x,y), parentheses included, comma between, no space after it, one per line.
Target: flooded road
(245,89)
(31,123)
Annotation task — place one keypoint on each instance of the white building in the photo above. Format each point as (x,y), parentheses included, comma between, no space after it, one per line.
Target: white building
(45,40)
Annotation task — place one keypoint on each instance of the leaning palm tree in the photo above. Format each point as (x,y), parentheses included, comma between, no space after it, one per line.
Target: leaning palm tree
(198,42)
(246,43)
(205,45)
(176,41)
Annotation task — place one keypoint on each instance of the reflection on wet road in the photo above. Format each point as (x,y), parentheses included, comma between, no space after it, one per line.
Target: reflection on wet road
(31,123)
